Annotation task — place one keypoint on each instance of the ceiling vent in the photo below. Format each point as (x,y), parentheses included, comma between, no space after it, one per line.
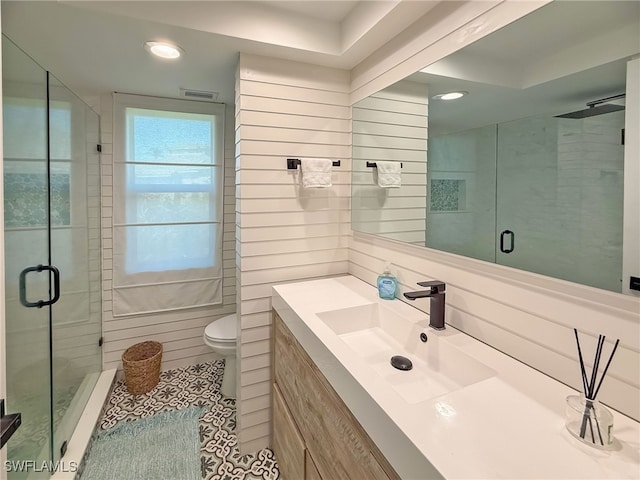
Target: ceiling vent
(199,94)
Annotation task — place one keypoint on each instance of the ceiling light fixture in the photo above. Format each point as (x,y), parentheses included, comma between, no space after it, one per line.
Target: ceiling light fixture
(450,95)
(163,50)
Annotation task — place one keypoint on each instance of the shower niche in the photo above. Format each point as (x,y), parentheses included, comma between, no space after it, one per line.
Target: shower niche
(52,258)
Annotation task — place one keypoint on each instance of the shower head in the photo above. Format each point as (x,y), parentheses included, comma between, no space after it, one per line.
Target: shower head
(591,111)
(597,107)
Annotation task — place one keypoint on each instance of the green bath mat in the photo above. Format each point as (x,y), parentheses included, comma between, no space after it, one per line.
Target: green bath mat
(165,445)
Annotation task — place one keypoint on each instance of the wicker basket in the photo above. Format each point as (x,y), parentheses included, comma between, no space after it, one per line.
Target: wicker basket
(141,364)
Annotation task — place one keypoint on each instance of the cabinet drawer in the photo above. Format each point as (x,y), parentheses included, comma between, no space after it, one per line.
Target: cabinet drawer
(288,444)
(339,446)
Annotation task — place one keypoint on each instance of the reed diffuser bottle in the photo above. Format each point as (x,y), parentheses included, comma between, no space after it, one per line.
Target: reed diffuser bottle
(586,419)
(589,421)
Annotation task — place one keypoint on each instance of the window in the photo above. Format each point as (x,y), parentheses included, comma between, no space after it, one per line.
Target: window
(168,173)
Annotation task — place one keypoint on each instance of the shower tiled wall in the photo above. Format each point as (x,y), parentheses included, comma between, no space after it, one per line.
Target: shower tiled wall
(590,191)
(462,195)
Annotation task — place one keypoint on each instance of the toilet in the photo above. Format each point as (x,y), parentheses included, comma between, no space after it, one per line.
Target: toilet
(220,335)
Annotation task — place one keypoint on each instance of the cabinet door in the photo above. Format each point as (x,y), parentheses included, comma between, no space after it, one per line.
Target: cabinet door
(333,436)
(310,470)
(288,444)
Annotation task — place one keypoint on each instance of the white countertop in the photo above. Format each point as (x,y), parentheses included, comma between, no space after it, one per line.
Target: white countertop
(510,425)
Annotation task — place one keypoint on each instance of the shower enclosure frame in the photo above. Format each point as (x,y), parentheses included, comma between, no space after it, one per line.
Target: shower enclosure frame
(60,292)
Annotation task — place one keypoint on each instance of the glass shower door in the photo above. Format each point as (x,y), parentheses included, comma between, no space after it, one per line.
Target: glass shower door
(52,260)
(26,233)
(560,196)
(75,249)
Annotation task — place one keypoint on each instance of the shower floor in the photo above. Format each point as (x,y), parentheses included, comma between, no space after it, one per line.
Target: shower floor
(197,385)
(29,440)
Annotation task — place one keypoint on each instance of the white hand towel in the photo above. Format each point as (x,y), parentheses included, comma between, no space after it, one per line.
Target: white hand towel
(389,174)
(316,172)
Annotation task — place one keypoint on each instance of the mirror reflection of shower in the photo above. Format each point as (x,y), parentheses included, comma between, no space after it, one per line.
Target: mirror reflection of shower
(554,183)
(528,168)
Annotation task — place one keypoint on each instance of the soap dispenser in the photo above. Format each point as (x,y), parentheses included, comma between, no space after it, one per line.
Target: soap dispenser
(387,284)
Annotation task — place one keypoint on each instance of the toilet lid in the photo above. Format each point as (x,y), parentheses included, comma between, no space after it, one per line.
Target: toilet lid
(223,329)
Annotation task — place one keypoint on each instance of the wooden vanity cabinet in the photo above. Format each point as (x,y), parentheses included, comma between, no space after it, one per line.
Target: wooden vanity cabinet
(311,472)
(315,436)
(287,440)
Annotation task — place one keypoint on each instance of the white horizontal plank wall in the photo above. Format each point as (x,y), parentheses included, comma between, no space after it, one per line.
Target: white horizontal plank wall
(527,316)
(284,232)
(180,332)
(391,125)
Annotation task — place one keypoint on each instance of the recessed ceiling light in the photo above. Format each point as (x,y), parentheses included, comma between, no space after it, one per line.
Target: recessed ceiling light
(450,95)
(163,50)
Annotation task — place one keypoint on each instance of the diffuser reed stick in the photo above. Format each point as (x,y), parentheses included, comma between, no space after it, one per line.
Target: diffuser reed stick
(591,387)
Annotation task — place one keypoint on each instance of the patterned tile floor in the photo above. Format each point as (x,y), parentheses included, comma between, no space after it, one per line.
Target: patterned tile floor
(198,385)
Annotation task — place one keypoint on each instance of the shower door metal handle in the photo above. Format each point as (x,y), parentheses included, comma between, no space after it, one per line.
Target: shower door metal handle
(23,286)
(512,243)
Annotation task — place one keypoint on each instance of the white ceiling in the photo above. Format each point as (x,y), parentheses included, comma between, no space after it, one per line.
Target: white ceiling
(551,61)
(97,46)
(335,11)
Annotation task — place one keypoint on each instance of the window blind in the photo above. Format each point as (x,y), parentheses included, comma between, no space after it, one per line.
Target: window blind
(168,191)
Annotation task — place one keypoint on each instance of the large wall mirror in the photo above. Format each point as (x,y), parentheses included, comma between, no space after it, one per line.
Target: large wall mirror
(526,168)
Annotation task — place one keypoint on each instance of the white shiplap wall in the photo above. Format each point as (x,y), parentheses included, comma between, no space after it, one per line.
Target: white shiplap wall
(391,125)
(181,331)
(284,232)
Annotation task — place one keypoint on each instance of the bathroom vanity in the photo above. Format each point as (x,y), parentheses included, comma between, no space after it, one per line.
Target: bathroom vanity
(464,410)
(313,429)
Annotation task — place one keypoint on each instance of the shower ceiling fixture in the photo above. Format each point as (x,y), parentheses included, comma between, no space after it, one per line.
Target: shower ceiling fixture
(164,50)
(597,107)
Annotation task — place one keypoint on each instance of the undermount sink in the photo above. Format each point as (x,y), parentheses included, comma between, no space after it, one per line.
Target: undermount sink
(377,333)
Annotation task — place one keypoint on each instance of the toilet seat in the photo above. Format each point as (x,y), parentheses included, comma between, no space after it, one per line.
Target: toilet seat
(223,330)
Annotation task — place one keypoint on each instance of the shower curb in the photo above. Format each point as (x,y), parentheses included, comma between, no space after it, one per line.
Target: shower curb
(72,463)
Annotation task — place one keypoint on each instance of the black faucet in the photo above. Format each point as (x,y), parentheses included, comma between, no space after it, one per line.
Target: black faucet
(436,293)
